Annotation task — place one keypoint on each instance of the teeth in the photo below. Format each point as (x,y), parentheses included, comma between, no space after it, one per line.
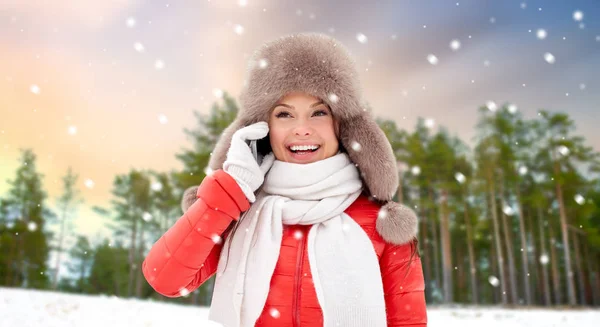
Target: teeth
(304,147)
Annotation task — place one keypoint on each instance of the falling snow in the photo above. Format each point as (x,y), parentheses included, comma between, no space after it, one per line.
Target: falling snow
(432,59)
(89,183)
(549,58)
(361,38)
(494,281)
(491,105)
(238,29)
(163,119)
(455,45)
(429,123)
(541,33)
(563,150)
(579,199)
(139,47)
(147,216)
(460,177)
(34,89)
(416,170)
(356,146)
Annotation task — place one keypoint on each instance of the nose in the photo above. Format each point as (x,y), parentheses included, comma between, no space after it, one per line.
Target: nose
(303,130)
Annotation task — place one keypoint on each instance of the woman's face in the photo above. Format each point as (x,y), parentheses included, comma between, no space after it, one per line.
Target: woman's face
(302,129)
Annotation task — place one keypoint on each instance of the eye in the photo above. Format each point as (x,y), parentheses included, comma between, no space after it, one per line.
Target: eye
(282,114)
(321,112)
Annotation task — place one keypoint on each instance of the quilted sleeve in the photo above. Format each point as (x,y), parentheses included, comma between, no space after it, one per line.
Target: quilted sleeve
(188,253)
(403,285)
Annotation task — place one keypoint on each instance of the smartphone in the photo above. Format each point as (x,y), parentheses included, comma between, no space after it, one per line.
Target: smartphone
(254,149)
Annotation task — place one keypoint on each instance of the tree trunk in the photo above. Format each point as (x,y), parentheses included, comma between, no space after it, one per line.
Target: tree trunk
(508,240)
(472,269)
(580,270)
(565,235)
(427,250)
(59,251)
(544,266)
(492,191)
(446,255)
(139,284)
(524,252)
(435,246)
(132,261)
(554,261)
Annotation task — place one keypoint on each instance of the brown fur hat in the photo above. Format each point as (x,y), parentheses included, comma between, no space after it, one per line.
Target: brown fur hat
(319,65)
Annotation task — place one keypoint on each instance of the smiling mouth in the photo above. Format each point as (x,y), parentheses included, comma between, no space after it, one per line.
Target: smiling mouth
(303,149)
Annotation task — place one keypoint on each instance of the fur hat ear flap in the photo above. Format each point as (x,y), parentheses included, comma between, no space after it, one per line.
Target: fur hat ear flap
(189,197)
(397,223)
(372,153)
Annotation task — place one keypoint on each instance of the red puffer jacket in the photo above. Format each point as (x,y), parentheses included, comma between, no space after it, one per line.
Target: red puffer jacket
(188,254)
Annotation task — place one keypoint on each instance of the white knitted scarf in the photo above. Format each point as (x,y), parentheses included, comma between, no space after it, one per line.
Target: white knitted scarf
(343,262)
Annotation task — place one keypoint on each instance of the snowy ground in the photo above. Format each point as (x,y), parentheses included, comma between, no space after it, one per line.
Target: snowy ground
(24,308)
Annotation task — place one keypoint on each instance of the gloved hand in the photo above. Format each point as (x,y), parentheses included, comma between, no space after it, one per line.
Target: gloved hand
(240,163)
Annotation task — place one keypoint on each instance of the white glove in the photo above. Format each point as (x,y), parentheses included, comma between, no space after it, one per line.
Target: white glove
(240,163)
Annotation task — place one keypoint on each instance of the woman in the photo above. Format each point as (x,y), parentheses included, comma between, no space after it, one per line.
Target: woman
(303,231)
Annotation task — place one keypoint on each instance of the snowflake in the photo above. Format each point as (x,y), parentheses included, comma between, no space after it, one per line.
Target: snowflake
(162,119)
(429,122)
(579,199)
(494,281)
(432,59)
(563,150)
(356,146)
(89,183)
(455,45)
(298,235)
(243,3)
(491,105)
(274,313)
(147,216)
(460,177)
(416,170)
(32,226)
(130,22)
(238,29)
(263,63)
(578,15)
(159,64)
(139,47)
(72,130)
(523,170)
(541,33)
(382,214)
(508,210)
(512,109)
(217,239)
(333,98)
(184,291)
(35,89)
(218,93)
(156,186)
(544,259)
(361,38)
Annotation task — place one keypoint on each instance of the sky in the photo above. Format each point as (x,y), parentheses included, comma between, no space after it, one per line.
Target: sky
(107,86)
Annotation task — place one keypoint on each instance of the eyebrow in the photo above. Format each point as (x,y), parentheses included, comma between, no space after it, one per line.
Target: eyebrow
(292,107)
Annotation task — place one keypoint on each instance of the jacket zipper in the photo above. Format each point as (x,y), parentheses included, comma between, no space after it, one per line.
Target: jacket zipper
(299,262)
